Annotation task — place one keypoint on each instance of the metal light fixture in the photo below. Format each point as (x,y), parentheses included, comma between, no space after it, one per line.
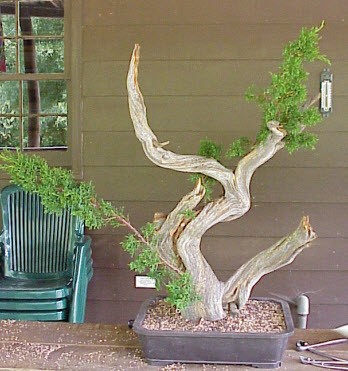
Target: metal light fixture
(326,79)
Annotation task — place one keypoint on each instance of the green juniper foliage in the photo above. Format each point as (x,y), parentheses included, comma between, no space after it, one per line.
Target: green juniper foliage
(58,189)
(189,214)
(238,148)
(208,148)
(180,291)
(285,98)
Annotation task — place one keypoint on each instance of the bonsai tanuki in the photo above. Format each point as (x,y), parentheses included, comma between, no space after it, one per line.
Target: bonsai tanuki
(179,234)
(169,248)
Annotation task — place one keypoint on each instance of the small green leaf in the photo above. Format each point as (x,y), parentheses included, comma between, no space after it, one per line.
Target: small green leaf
(189,214)
(210,149)
(238,148)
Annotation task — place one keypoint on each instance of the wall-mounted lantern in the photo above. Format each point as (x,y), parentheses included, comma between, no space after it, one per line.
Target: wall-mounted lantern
(326,79)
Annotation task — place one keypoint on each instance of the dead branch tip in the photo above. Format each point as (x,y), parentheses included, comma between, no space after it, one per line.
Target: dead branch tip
(309,230)
(199,189)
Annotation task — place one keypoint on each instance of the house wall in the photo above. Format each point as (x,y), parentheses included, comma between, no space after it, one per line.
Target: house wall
(197,59)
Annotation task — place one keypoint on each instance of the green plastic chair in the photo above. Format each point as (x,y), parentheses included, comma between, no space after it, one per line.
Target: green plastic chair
(46,261)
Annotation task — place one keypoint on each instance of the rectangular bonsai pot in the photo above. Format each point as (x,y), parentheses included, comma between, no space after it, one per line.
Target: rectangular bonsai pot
(262,350)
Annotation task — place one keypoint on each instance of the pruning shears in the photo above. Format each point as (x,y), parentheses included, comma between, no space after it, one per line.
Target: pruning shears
(331,362)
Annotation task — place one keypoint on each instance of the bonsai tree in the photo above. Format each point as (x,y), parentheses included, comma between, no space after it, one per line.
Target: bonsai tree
(169,249)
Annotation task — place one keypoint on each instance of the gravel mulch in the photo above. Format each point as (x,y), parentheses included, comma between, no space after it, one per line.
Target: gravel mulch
(255,317)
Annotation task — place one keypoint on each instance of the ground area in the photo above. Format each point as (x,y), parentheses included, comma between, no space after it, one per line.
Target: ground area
(64,346)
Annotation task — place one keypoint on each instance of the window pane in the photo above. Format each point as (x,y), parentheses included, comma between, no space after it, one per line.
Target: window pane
(48,26)
(8,25)
(9,97)
(53,131)
(9,132)
(53,96)
(42,56)
(45,17)
(10,56)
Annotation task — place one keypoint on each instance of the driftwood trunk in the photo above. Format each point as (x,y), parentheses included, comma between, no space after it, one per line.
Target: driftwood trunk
(179,238)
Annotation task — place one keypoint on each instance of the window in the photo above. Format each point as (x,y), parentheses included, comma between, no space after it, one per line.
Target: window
(47,119)
(33,85)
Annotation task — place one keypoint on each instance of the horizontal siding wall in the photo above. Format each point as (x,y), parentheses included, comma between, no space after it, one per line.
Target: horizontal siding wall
(197,59)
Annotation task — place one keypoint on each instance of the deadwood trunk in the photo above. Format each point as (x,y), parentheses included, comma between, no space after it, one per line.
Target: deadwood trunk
(179,237)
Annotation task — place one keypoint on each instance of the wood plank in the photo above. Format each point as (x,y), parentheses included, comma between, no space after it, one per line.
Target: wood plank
(328,185)
(62,333)
(137,183)
(279,219)
(173,114)
(300,185)
(68,346)
(321,286)
(203,42)
(111,311)
(177,77)
(116,12)
(120,286)
(138,212)
(331,152)
(265,219)
(107,252)
(124,149)
(230,252)
(212,78)
(327,316)
(192,113)
(104,352)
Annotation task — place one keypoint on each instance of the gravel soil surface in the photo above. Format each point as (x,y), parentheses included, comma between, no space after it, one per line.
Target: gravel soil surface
(255,317)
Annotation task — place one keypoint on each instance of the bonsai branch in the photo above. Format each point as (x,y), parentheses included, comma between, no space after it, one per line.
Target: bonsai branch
(238,287)
(153,149)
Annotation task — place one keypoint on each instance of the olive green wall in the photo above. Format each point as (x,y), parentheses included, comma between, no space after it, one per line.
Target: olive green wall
(197,59)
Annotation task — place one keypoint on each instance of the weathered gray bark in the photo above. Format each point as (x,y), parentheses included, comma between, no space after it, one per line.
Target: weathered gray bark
(180,238)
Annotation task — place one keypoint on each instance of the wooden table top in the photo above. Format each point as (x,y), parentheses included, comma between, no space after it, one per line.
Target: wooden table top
(65,346)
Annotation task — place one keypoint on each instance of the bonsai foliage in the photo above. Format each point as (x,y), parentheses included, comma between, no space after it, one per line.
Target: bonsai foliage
(285,99)
(169,248)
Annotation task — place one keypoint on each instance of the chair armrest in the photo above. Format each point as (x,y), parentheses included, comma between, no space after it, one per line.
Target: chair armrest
(82,274)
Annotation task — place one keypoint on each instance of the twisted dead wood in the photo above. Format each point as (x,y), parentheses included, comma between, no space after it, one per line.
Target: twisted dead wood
(179,239)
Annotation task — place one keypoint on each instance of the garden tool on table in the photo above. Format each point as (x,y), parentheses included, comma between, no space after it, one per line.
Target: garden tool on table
(331,362)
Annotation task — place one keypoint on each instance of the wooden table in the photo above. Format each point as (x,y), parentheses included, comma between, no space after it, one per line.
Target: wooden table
(65,346)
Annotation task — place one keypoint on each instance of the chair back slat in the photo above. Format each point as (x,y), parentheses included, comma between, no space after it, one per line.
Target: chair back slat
(36,244)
